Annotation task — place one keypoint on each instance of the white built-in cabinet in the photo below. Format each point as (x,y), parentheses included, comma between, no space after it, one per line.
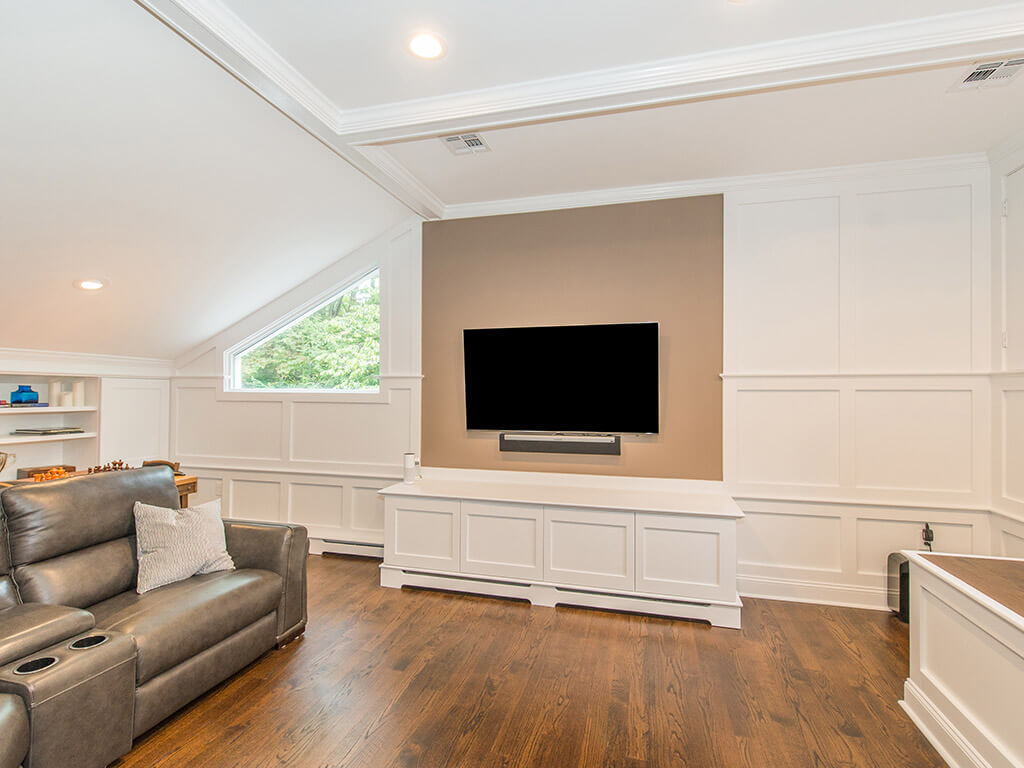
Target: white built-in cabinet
(650,546)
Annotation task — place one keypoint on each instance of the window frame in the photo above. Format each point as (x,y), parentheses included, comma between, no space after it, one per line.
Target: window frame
(233,354)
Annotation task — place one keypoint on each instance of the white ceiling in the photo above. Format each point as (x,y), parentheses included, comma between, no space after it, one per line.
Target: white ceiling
(126,154)
(355,52)
(897,117)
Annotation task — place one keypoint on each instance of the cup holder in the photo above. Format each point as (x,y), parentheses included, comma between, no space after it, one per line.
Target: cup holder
(36,665)
(91,641)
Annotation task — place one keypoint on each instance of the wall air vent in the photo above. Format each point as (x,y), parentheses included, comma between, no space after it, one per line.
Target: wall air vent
(465,144)
(990,73)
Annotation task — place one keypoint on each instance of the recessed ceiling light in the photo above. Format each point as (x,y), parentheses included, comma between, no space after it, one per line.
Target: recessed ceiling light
(427,46)
(90,284)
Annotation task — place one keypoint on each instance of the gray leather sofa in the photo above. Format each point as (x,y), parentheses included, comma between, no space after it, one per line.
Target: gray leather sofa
(106,664)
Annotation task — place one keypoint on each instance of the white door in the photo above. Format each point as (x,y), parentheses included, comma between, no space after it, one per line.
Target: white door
(690,557)
(502,540)
(589,547)
(421,533)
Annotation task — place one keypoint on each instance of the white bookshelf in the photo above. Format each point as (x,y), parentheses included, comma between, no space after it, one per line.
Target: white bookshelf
(4,411)
(29,439)
(80,449)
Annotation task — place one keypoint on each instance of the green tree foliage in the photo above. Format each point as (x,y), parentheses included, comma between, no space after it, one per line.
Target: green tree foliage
(336,347)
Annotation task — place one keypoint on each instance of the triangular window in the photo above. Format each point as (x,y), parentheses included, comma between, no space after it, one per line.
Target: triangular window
(335,347)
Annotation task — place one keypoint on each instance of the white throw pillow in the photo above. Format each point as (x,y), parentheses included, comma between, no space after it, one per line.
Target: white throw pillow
(175,544)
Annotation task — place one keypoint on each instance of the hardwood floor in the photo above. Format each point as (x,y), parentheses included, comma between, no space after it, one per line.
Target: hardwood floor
(426,679)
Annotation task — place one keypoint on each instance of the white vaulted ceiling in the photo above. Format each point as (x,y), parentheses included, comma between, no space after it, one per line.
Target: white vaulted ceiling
(207,155)
(128,155)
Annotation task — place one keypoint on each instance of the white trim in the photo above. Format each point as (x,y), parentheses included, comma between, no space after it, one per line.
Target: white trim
(319,546)
(903,45)
(47,362)
(722,185)
(815,592)
(937,728)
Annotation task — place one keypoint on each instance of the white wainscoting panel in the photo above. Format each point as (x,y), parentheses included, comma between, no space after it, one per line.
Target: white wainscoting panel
(836,553)
(912,291)
(208,427)
(787,437)
(355,433)
(255,500)
(315,432)
(134,417)
(878,538)
(784,286)
(914,439)
(334,508)
(798,541)
(1008,451)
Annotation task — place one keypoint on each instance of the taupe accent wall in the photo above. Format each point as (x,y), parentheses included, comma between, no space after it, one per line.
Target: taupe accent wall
(653,261)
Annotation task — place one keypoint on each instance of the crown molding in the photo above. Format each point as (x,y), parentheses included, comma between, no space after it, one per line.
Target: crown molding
(934,41)
(52,362)
(715,186)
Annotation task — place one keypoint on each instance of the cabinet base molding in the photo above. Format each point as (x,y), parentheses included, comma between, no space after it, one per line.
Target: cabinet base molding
(939,730)
(718,614)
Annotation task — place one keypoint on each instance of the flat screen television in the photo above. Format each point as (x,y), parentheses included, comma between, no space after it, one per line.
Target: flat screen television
(563,378)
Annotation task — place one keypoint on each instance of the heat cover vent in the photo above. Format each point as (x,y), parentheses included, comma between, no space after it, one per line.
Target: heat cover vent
(990,73)
(465,144)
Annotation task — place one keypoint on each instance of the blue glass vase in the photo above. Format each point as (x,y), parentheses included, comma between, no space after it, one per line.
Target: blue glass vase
(24,394)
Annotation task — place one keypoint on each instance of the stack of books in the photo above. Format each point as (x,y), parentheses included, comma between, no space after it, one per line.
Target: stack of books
(48,431)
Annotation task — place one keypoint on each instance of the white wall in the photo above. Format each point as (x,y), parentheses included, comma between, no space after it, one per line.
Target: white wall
(1008,381)
(312,458)
(857,397)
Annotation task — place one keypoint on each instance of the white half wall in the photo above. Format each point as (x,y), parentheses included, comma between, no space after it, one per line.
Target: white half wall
(857,402)
(316,459)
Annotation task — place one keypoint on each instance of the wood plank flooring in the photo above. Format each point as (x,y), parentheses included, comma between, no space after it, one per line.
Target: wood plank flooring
(418,679)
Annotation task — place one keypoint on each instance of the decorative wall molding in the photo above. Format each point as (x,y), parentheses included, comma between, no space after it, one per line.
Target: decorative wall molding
(892,170)
(31,361)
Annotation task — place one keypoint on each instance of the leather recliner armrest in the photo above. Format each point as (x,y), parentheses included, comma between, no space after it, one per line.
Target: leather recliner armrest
(30,627)
(281,548)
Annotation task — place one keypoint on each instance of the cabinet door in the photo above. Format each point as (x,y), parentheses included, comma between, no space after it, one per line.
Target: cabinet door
(421,533)
(692,557)
(502,540)
(588,547)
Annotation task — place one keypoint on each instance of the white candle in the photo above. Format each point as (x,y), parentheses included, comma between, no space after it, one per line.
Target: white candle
(78,390)
(54,399)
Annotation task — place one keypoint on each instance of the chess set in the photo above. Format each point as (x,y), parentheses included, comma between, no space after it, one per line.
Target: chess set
(110,466)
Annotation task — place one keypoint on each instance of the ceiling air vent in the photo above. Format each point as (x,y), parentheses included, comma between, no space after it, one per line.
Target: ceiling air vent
(990,73)
(465,144)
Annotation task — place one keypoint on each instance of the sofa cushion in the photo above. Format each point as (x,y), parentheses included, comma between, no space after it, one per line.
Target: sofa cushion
(14,733)
(80,578)
(25,629)
(173,623)
(49,519)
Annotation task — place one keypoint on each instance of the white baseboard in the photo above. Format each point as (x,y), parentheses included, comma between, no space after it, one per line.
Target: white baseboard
(325,546)
(822,593)
(940,732)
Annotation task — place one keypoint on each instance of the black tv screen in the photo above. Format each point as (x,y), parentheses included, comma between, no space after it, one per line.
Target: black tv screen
(564,378)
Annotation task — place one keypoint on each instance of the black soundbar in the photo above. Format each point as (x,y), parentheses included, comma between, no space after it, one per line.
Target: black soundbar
(527,442)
